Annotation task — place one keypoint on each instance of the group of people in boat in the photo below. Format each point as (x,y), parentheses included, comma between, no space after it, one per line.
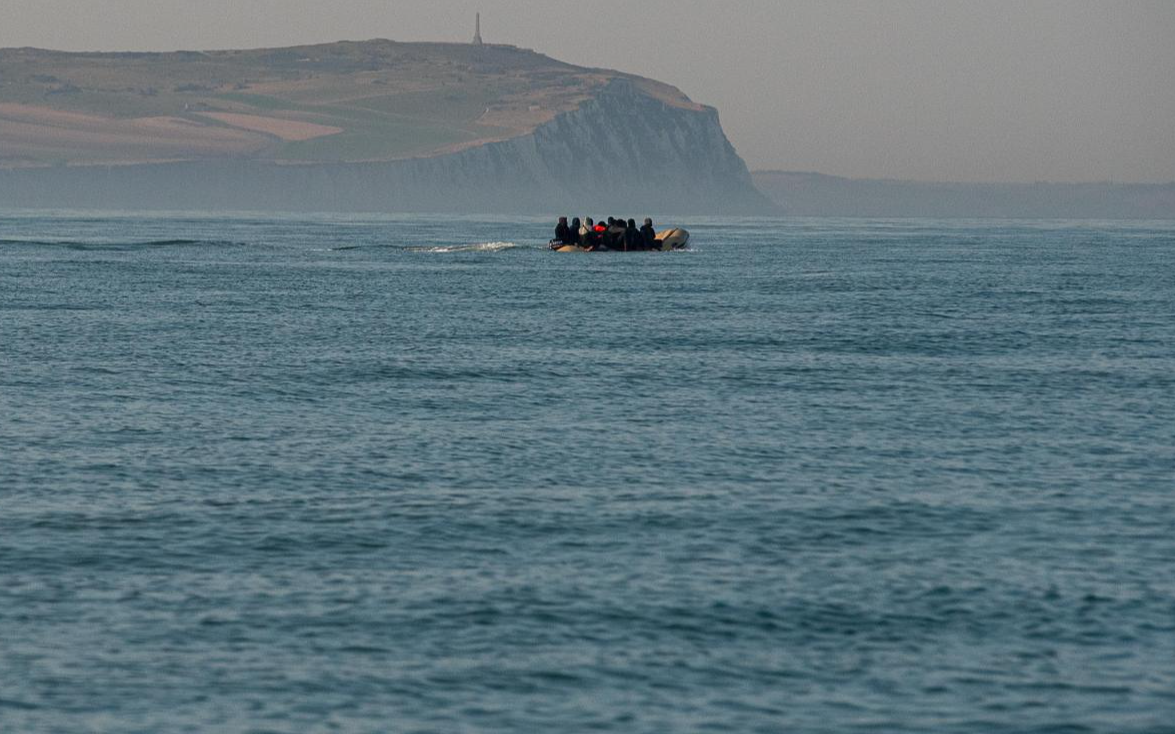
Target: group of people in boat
(617,234)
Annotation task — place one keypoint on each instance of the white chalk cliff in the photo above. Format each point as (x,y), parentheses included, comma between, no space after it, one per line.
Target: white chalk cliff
(622,150)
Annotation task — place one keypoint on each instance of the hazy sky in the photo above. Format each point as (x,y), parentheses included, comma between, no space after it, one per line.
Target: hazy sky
(984,90)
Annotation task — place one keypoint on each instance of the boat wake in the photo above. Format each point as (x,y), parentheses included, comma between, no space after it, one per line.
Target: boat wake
(479,247)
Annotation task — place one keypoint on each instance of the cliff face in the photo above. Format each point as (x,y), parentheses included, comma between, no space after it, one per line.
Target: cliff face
(623,150)
(621,147)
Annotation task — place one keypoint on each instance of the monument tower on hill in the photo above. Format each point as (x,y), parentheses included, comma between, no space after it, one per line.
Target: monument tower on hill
(477,32)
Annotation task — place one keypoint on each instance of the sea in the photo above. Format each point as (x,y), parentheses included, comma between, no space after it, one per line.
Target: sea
(357,473)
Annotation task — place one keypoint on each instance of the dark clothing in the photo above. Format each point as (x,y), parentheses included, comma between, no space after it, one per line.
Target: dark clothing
(649,235)
(633,239)
(595,238)
(563,234)
(614,237)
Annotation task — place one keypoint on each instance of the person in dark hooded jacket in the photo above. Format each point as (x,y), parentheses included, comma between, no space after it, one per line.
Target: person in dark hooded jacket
(614,237)
(575,225)
(650,235)
(563,232)
(633,241)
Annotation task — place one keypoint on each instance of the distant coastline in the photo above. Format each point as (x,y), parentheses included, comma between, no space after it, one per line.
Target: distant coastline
(803,193)
(371,126)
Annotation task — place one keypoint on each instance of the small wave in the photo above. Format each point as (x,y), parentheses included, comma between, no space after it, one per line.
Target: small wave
(480,247)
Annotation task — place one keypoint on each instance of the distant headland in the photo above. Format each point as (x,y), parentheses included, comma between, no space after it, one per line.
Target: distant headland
(374,125)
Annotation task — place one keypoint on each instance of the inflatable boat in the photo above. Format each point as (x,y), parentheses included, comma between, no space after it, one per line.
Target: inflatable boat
(670,239)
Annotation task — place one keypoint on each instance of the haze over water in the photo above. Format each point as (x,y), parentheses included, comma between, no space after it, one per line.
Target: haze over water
(419,474)
(943,90)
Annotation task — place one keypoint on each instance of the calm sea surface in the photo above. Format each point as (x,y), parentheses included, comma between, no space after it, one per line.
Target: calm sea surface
(412,474)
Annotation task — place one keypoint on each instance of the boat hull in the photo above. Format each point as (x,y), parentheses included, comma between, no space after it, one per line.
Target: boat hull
(671,239)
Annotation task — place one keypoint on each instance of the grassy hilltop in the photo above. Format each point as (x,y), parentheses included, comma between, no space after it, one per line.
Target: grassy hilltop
(340,102)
